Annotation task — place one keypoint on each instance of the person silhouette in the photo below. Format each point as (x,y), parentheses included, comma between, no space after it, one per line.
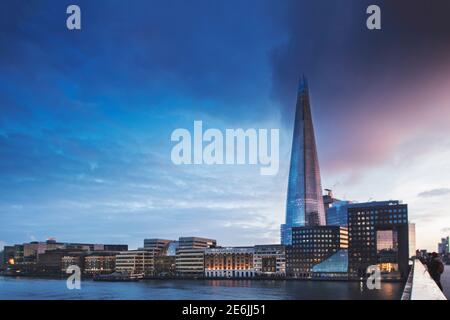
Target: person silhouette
(436,268)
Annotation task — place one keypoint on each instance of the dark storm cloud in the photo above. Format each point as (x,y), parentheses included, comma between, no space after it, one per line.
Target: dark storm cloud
(206,50)
(329,42)
(373,83)
(86,116)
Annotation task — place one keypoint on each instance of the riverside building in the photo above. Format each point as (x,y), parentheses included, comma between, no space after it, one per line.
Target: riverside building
(135,262)
(100,263)
(229,262)
(190,256)
(378,236)
(318,252)
(270,260)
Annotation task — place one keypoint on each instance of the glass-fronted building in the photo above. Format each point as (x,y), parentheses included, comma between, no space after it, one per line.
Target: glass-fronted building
(336,266)
(336,214)
(317,252)
(304,205)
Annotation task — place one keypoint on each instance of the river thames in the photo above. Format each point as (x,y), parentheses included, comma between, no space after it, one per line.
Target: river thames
(48,289)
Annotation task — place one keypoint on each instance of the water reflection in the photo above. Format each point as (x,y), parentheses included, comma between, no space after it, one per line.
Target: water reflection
(27,288)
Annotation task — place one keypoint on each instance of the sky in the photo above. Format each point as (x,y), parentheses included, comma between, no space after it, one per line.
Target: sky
(86,115)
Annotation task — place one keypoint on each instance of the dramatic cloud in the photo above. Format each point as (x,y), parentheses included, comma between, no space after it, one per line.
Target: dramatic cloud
(86,116)
(363,111)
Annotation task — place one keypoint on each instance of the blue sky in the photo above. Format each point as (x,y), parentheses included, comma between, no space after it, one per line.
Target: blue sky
(86,116)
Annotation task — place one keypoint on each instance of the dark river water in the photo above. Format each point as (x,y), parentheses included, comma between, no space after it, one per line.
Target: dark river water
(31,288)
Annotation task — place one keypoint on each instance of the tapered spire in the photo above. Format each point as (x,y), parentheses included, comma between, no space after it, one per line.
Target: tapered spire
(302,84)
(304,205)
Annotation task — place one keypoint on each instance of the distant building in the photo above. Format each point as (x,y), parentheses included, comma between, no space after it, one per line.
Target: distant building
(378,236)
(115,247)
(32,250)
(165,262)
(229,262)
(171,248)
(135,262)
(317,252)
(329,199)
(443,246)
(336,213)
(72,260)
(270,260)
(412,239)
(165,266)
(158,245)
(100,263)
(18,253)
(196,242)
(96,247)
(51,256)
(51,260)
(8,256)
(190,256)
(190,262)
(13,259)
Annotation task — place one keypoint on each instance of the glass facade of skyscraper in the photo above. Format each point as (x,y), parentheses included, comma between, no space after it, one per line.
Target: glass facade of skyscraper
(304,205)
(336,214)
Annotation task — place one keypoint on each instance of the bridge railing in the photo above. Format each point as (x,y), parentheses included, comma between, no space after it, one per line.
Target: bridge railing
(420,285)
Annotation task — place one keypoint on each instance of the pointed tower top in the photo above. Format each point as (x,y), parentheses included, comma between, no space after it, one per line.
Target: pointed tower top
(302,84)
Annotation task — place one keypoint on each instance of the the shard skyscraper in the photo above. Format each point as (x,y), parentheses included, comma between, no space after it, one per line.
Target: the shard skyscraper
(304,205)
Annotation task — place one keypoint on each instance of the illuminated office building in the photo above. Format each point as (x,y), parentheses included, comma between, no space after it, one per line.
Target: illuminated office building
(100,263)
(378,235)
(72,260)
(318,252)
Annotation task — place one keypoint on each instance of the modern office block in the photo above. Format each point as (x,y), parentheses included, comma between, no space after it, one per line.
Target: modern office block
(135,262)
(317,252)
(378,236)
